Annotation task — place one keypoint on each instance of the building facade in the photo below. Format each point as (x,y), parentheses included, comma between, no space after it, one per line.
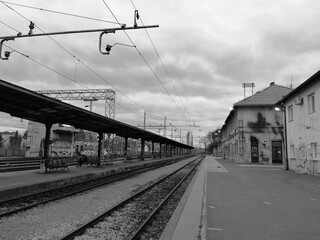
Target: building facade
(63,141)
(253,130)
(302,112)
(67,141)
(12,144)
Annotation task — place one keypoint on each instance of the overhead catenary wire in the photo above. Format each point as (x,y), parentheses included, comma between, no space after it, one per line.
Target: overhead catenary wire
(158,56)
(143,58)
(9,26)
(44,65)
(61,74)
(74,58)
(58,12)
(77,59)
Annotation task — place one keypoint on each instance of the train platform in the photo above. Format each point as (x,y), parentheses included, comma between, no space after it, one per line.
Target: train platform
(25,182)
(226,200)
(188,220)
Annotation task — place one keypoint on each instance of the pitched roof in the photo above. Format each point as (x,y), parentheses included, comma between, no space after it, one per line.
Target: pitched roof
(267,97)
(308,83)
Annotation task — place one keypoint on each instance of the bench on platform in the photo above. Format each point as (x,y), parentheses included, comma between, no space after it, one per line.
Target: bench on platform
(88,160)
(56,164)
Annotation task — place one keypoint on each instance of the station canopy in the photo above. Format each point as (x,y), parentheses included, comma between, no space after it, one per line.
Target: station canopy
(24,103)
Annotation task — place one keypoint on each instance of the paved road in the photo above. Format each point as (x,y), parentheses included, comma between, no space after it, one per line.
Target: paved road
(268,203)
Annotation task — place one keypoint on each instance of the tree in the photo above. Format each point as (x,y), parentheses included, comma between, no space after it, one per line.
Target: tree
(216,140)
(25,134)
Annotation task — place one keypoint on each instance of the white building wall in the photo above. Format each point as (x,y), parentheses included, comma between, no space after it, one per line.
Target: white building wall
(266,125)
(262,123)
(303,132)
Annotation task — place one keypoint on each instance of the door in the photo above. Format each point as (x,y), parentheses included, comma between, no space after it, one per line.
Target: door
(276,152)
(254,151)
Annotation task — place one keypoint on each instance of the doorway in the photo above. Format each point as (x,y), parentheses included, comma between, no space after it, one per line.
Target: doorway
(254,150)
(276,152)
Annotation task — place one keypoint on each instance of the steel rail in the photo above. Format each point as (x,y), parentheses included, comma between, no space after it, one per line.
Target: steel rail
(80,230)
(160,205)
(104,181)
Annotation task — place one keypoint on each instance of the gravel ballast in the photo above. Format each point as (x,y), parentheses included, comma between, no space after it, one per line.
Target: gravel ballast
(54,220)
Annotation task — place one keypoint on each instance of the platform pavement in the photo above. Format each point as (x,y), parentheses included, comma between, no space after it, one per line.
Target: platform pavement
(229,201)
(188,221)
(23,182)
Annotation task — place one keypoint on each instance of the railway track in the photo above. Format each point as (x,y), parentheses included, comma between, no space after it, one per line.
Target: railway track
(132,218)
(14,205)
(26,163)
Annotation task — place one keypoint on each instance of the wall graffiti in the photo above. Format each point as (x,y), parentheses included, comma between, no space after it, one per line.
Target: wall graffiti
(259,124)
(304,160)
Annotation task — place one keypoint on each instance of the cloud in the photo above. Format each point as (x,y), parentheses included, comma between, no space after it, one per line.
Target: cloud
(208,48)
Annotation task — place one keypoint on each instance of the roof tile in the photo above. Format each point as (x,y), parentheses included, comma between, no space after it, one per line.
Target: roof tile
(269,96)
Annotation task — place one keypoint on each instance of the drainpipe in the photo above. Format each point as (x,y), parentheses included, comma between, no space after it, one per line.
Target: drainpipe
(286,167)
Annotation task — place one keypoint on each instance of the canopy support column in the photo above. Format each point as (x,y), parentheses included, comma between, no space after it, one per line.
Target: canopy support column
(100,147)
(142,149)
(47,144)
(152,150)
(125,148)
(166,150)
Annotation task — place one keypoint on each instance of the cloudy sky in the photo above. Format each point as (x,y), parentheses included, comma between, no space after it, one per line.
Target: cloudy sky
(189,70)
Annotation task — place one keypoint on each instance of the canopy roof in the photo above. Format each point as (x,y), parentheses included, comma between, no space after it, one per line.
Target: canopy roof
(23,103)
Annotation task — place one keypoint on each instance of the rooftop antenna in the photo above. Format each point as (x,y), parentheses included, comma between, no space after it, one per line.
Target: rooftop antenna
(245,85)
(291,85)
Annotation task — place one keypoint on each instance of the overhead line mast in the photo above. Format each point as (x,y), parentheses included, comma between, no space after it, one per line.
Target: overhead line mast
(89,95)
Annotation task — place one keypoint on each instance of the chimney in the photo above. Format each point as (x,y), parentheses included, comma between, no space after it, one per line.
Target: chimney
(272,83)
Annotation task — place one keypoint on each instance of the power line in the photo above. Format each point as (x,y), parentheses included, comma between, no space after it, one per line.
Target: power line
(158,55)
(42,64)
(74,57)
(58,12)
(14,10)
(9,26)
(143,58)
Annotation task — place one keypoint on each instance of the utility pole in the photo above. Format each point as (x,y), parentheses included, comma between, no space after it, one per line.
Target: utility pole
(165,127)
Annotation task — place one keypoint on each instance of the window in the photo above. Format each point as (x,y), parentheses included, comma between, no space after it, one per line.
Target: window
(314,150)
(311,104)
(30,126)
(290,113)
(292,151)
(240,123)
(30,139)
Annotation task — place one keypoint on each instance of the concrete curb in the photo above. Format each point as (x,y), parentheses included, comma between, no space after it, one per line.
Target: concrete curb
(187,220)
